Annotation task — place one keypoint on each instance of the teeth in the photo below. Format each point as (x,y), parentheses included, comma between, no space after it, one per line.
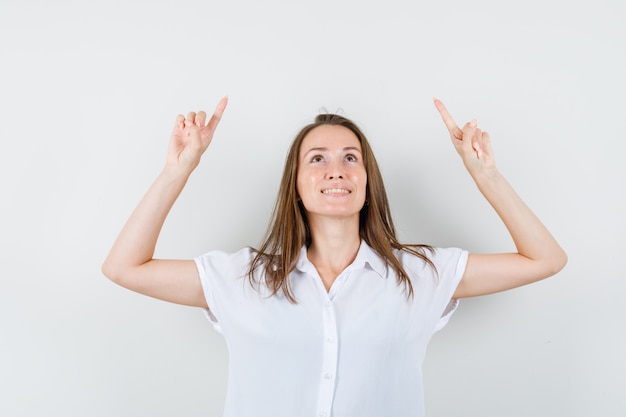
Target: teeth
(335,191)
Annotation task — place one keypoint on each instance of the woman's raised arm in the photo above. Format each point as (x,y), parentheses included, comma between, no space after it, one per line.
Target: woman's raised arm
(538,253)
(130,262)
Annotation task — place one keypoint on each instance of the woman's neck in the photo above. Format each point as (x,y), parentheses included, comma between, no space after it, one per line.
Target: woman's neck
(334,245)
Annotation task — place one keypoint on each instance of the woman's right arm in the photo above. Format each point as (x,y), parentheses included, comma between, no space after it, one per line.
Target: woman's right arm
(130,262)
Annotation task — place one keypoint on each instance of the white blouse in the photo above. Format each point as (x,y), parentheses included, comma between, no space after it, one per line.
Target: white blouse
(356,350)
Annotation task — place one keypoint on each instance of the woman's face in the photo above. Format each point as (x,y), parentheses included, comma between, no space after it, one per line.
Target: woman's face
(332,180)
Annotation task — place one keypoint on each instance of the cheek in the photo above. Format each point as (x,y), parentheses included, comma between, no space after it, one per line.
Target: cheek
(301,183)
(360,177)
(363,184)
(306,177)
(298,190)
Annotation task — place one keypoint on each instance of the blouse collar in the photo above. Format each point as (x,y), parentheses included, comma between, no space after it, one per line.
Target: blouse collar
(365,256)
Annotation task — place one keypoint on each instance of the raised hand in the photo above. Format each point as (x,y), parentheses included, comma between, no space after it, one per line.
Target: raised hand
(472,144)
(191,137)
(130,262)
(538,253)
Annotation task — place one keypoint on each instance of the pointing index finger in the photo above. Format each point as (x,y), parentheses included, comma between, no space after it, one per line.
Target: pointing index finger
(448,120)
(217,114)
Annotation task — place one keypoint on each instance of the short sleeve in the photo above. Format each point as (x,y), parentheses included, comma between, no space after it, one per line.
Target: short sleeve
(450,263)
(219,273)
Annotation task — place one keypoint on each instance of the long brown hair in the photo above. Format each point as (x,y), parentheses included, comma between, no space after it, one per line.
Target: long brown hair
(289,230)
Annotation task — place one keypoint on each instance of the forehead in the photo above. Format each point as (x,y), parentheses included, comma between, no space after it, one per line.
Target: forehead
(330,137)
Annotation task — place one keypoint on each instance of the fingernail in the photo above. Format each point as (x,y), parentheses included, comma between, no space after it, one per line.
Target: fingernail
(474,123)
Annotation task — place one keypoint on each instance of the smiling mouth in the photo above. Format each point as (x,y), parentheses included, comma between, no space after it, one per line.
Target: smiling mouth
(336,191)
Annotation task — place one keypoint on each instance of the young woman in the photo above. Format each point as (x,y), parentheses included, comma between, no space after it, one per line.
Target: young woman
(331,316)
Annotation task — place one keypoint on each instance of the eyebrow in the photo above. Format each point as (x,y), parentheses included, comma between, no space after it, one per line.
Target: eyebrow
(347,148)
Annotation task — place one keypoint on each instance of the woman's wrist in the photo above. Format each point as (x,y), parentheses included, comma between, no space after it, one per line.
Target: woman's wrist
(488,179)
(171,174)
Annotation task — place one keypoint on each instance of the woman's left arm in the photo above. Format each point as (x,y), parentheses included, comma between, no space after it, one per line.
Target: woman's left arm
(538,254)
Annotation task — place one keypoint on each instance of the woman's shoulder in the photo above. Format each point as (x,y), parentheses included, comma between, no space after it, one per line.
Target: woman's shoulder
(217,257)
(409,255)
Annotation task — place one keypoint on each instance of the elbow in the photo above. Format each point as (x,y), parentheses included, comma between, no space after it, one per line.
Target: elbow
(107,271)
(122,274)
(564,260)
(111,272)
(559,260)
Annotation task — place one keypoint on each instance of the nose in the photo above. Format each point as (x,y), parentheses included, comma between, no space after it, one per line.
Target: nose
(335,170)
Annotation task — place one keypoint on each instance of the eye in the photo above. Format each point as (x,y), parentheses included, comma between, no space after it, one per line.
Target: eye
(317,158)
(351,158)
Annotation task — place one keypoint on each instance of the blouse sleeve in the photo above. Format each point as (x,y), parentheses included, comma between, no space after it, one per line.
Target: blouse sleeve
(220,273)
(450,263)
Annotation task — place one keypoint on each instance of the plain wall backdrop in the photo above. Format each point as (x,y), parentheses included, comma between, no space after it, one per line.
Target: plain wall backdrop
(88,96)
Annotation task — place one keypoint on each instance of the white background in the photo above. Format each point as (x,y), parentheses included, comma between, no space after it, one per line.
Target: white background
(88,95)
